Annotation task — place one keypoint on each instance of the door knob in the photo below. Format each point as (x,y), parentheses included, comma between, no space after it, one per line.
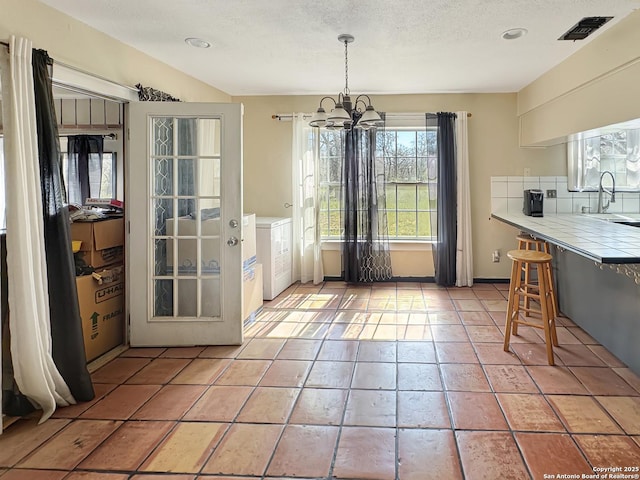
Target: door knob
(232,242)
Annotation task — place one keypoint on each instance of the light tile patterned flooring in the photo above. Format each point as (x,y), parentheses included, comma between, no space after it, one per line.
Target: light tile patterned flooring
(405,381)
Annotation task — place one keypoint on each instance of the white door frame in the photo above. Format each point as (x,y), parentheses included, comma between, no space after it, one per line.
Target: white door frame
(177,330)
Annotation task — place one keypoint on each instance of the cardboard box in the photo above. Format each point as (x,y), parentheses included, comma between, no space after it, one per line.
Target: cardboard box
(102,241)
(102,311)
(248,239)
(104,202)
(252,287)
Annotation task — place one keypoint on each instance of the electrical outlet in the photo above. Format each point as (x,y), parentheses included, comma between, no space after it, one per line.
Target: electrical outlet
(495,256)
(551,193)
(527,172)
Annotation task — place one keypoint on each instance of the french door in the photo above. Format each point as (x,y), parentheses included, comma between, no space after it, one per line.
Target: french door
(184,211)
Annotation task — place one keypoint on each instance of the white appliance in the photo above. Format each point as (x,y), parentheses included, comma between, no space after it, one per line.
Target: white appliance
(274,252)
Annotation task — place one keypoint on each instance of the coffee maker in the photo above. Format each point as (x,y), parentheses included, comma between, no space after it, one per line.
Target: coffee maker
(533,203)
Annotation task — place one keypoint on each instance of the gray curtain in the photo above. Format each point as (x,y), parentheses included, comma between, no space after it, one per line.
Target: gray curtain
(365,254)
(14,403)
(444,249)
(84,167)
(66,325)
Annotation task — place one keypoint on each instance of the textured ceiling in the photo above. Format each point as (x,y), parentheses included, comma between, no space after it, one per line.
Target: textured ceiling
(285,47)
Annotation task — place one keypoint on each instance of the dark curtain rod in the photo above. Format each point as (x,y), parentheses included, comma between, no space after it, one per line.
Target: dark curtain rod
(274,117)
(71,67)
(112,136)
(288,116)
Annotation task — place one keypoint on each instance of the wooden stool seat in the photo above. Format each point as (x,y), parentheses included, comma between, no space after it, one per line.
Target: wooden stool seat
(529,256)
(520,289)
(527,242)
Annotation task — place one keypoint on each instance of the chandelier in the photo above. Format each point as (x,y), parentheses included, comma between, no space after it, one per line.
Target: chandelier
(344,113)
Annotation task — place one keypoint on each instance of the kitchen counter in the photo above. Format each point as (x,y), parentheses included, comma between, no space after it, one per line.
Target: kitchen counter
(597,237)
(596,265)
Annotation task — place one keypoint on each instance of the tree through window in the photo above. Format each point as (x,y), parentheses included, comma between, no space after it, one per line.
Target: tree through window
(409,158)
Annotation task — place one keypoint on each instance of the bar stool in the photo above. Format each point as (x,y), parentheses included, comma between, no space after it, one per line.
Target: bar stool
(520,290)
(527,242)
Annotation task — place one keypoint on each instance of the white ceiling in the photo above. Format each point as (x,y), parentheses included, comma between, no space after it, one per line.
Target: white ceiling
(287,47)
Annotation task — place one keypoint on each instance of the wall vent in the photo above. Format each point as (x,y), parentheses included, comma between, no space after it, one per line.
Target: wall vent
(584,28)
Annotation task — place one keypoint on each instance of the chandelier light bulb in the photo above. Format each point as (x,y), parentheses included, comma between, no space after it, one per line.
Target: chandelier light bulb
(319,119)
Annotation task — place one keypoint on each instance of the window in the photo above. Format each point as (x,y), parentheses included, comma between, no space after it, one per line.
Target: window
(409,157)
(108,180)
(592,153)
(102,176)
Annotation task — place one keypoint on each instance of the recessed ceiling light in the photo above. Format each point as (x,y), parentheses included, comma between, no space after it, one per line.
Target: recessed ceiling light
(197,42)
(514,33)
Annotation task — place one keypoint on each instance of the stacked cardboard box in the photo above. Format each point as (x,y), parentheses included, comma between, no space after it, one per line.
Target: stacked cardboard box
(101,295)
(102,241)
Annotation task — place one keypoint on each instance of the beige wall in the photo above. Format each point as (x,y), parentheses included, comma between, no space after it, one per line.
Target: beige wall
(493,150)
(412,263)
(597,86)
(493,129)
(76,44)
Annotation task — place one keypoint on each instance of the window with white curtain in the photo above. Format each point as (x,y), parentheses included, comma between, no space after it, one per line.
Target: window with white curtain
(409,155)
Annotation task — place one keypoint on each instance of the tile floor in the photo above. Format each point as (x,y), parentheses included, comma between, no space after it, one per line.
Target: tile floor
(405,381)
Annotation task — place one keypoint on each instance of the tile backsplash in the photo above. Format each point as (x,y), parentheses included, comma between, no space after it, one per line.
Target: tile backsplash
(507,196)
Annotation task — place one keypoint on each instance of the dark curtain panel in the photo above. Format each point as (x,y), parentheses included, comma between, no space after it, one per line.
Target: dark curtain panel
(84,167)
(444,250)
(66,326)
(14,403)
(365,252)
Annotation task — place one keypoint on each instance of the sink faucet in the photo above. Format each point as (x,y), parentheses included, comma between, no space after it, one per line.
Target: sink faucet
(603,208)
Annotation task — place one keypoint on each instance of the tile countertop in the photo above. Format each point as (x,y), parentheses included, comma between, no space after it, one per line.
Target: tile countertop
(587,235)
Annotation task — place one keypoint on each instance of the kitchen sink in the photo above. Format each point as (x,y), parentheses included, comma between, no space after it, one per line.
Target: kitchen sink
(632,219)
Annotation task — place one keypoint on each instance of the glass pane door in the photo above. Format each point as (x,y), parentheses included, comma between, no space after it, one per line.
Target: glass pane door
(186,210)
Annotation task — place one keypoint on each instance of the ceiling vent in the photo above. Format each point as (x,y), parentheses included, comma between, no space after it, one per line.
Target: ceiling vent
(584,28)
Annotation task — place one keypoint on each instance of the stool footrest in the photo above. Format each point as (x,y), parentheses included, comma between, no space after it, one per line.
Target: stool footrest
(530,324)
(531,310)
(524,293)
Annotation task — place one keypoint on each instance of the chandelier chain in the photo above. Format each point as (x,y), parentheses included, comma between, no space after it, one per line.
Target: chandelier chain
(346,69)
(347,114)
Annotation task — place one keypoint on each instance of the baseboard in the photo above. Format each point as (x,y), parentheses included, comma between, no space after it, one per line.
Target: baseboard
(106,358)
(392,279)
(425,279)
